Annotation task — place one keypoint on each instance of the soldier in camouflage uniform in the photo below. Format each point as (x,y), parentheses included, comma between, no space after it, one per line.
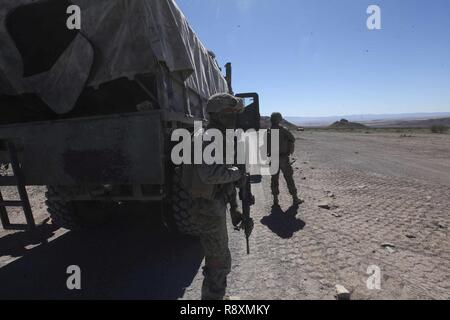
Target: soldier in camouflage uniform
(287,146)
(211,188)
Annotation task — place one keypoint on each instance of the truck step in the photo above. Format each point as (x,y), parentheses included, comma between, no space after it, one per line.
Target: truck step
(18,181)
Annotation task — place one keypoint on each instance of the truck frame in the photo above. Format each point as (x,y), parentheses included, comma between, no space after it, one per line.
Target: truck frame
(89,159)
(112,158)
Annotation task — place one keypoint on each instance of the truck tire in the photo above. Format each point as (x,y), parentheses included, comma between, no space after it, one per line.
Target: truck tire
(63,213)
(73,215)
(181,203)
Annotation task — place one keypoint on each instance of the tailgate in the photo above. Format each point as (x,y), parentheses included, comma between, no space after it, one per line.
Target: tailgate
(121,149)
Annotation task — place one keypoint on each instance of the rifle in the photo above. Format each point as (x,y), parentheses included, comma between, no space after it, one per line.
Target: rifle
(248,200)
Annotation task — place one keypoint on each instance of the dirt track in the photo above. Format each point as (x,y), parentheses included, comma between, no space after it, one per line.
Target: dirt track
(387,189)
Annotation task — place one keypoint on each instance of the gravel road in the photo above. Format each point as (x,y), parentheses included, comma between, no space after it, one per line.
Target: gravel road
(389,200)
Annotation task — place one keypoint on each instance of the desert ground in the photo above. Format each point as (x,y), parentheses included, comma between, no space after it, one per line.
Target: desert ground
(379,199)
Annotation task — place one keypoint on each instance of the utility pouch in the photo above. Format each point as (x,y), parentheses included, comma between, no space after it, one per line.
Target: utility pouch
(191,180)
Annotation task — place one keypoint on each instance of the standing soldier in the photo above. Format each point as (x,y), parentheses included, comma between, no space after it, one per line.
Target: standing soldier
(211,188)
(287,146)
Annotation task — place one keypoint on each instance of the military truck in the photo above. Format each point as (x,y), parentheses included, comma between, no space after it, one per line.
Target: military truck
(89,112)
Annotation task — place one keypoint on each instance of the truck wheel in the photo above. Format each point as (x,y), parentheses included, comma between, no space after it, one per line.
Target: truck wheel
(63,213)
(180,204)
(73,215)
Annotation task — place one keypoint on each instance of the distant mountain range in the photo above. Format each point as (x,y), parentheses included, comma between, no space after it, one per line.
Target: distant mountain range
(368,119)
(415,123)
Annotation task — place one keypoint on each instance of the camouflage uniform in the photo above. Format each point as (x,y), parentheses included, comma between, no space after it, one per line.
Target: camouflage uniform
(210,216)
(287,145)
(211,188)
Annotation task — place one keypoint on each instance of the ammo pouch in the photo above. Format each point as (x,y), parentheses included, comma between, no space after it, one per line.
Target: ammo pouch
(194,185)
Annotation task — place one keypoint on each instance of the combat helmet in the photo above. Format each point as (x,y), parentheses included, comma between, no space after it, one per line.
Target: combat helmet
(276,117)
(224,103)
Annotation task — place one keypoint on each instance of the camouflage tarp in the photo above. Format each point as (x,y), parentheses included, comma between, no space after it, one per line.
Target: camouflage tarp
(118,38)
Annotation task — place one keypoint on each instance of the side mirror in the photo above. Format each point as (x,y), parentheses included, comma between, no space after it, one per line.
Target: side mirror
(251,118)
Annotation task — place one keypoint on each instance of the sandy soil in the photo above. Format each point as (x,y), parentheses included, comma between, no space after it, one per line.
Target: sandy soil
(382,189)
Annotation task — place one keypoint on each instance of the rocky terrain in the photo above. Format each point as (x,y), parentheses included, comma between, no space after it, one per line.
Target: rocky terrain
(377,200)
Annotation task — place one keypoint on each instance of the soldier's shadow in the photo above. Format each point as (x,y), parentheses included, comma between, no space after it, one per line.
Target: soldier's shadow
(283,224)
(131,257)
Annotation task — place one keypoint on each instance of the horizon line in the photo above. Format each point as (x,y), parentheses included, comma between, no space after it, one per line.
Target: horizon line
(371,114)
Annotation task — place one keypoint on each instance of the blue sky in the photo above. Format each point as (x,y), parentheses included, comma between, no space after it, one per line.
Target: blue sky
(317,57)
